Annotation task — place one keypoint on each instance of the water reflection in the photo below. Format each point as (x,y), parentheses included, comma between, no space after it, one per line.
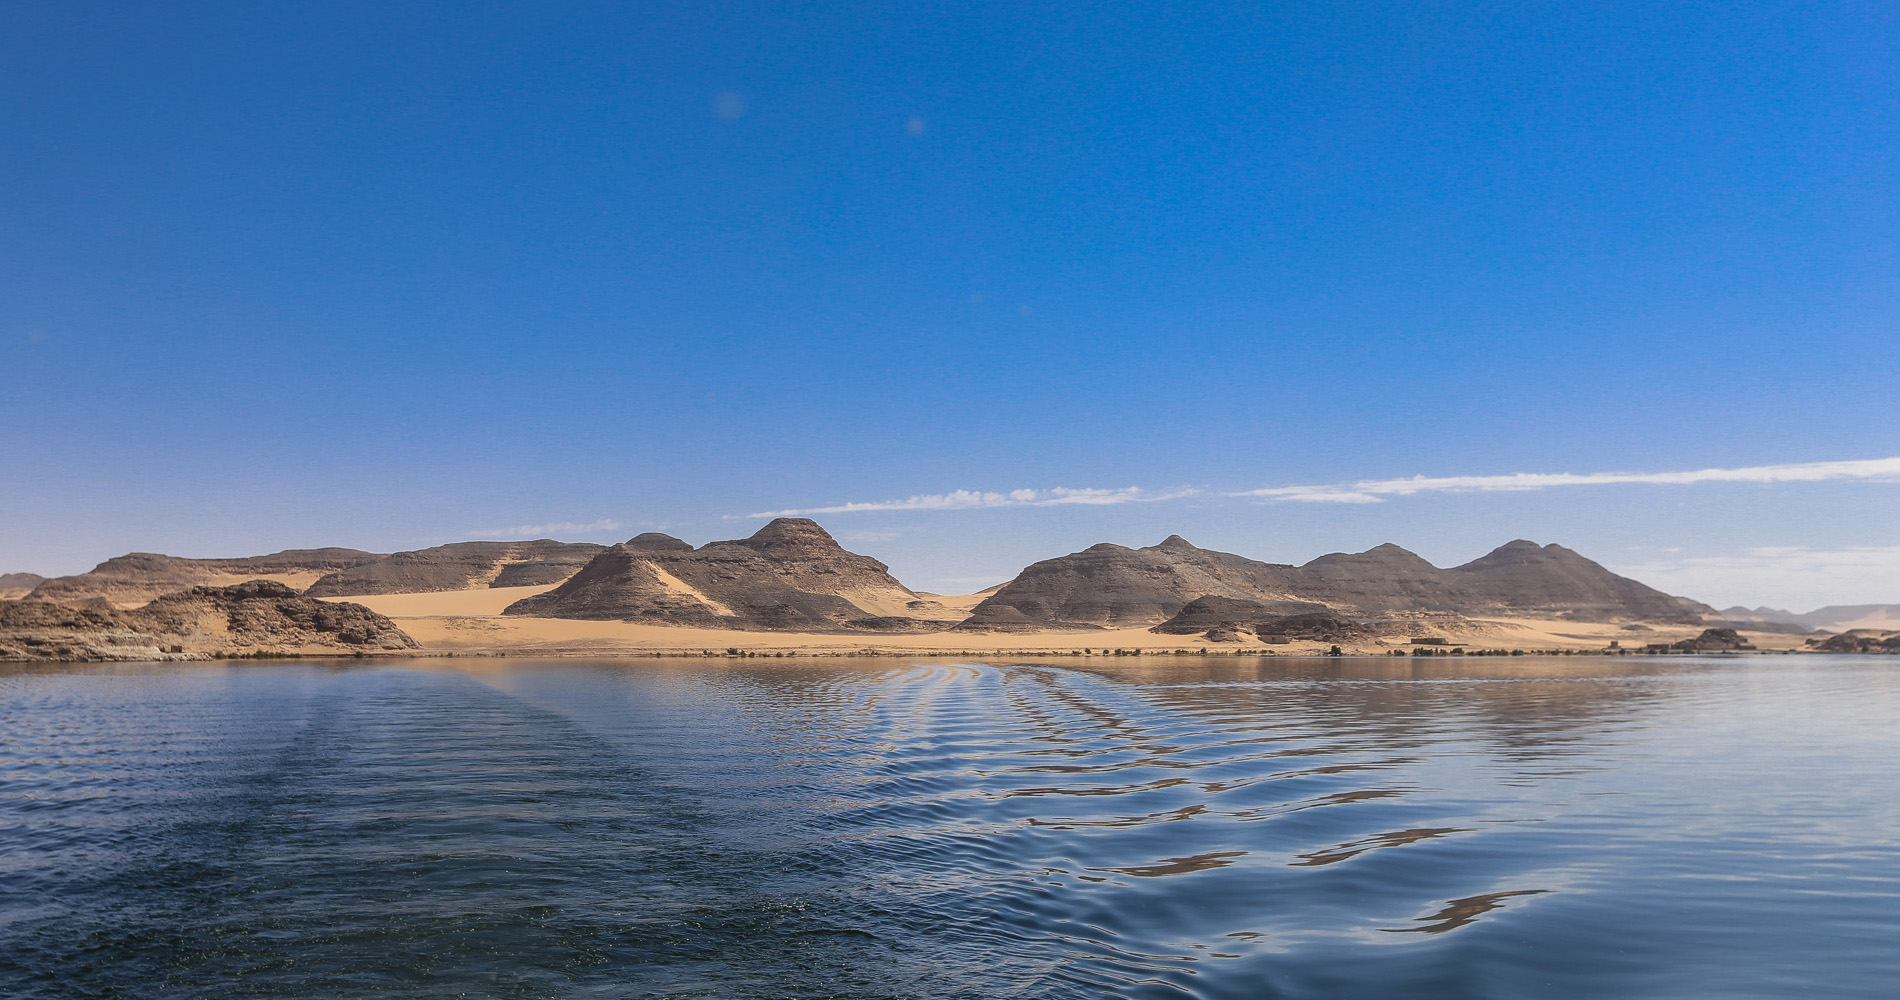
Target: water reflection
(1460,912)
(1200,826)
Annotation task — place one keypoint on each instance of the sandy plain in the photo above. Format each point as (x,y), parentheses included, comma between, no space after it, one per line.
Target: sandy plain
(470,622)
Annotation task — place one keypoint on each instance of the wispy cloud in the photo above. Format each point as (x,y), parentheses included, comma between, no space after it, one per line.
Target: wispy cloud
(976,500)
(1368,490)
(1376,490)
(551,529)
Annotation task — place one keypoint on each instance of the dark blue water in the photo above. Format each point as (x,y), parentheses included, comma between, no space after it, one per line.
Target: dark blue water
(1202,827)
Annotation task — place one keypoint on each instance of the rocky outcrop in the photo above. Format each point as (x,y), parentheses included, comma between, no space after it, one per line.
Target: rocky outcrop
(1211,612)
(1113,586)
(1861,640)
(134,579)
(898,623)
(461,566)
(789,574)
(1714,640)
(259,617)
(1228,619)
(14,586)
(1319,627)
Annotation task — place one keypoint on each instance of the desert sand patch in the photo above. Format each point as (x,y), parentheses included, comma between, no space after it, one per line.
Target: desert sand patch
(470,622)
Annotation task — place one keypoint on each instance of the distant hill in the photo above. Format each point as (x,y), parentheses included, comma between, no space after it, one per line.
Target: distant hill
(1833,618)
(14,586)
(256,617)
(133,579)
(1521,576)
(1114,586)
(1854,616)
(461,566)
(790,574)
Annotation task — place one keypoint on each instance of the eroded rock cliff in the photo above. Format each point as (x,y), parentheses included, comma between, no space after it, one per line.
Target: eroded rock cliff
(790,574)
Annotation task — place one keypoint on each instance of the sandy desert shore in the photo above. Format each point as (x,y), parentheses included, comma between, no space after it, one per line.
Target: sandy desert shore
(470,622)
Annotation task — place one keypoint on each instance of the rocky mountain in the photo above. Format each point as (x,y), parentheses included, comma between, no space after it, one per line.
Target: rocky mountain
(1387,578)
(260,616)
(1522,578)
(789,574)
(1113,586)
(14,586)
(134,579)
(461,566)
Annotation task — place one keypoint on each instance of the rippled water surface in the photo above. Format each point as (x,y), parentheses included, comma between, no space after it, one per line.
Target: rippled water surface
(1194,827)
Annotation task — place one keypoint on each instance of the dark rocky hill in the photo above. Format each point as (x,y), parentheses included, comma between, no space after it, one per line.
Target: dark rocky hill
(1524,578)
(1113,586)
(261,616)
(790,574)
(1861,640)
(461,566)
(14,586)
(1209,612)
(139,577)
(1387,578)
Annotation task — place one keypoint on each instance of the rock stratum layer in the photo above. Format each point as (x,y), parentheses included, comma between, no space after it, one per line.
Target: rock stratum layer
(133,580)
(461,566)
(14,586)
(258,617)
(790,574)
(1112,586)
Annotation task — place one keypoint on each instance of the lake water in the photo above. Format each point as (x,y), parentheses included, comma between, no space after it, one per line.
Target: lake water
(1192,827)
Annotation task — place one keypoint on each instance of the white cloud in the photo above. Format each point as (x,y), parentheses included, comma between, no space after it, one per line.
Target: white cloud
(1313,494)
(975,500)
(1374,490)
(1794,577)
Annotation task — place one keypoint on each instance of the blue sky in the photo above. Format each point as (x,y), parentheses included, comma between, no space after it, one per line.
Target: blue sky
(389,275)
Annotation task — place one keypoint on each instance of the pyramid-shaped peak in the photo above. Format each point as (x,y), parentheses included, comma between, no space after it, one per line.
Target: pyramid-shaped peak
(792,532)
(1521,552)
(1385,555)
(1389,552)
(1175,542)
(658,541)
(1515,552)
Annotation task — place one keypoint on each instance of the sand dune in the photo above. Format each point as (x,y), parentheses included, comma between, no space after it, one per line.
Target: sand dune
(444,603)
